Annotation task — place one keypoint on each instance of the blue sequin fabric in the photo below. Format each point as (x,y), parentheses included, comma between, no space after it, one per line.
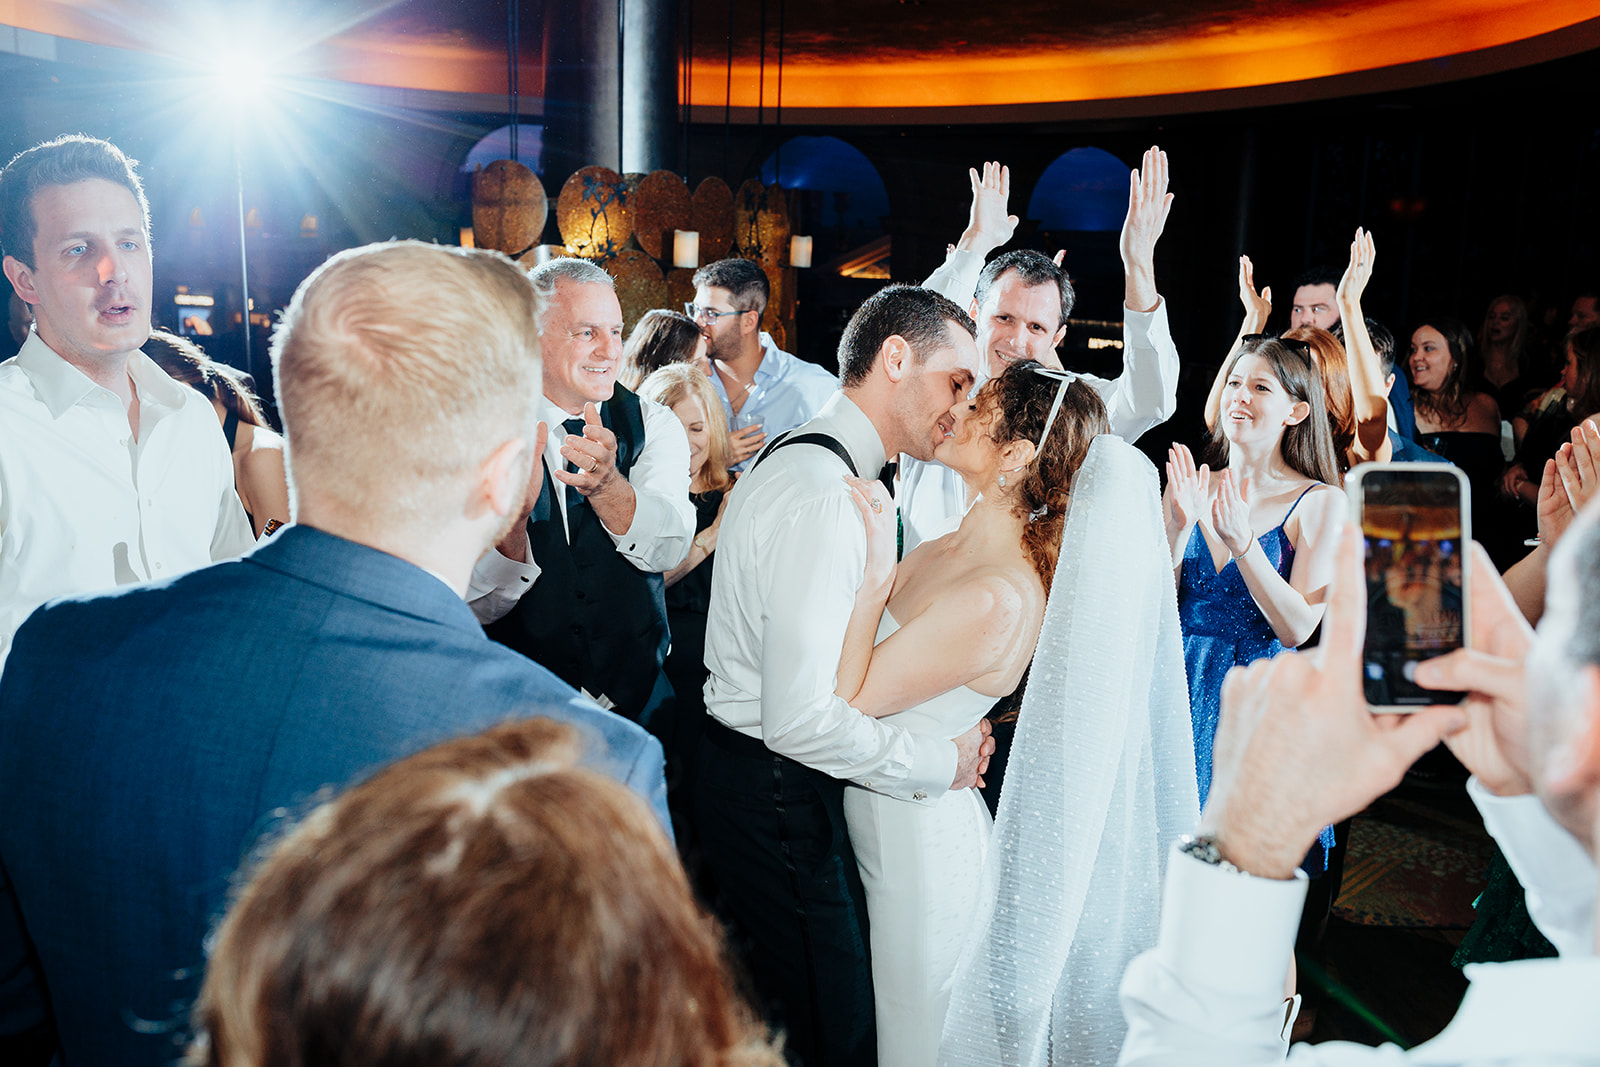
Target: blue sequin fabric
(1223,628)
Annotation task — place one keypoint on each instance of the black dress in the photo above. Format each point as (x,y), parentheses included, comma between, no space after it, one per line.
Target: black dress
(688,603)
(1478,455)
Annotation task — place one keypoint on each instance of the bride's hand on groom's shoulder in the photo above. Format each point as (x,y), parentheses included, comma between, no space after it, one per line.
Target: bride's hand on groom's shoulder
(878,512)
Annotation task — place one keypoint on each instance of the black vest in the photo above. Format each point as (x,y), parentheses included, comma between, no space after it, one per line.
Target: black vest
(594,619)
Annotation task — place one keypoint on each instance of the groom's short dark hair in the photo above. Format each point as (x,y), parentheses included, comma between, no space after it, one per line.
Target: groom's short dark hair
(919,315)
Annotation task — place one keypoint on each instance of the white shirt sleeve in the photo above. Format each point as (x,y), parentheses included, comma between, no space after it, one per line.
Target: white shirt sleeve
(663,516)
(1211,991)
(819,552)
(1145,394)
(957,277)
(497,583)
(233,536)
(1556,873)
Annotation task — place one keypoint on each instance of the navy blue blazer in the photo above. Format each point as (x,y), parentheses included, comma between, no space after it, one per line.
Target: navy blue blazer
(148,737)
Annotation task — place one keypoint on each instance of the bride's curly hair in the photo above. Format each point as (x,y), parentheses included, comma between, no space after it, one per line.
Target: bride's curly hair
(1021,398)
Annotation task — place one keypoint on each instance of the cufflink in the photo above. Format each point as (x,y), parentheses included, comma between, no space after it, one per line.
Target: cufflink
(919,795)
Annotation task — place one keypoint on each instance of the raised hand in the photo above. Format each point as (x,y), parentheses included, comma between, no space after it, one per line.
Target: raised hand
(1230,513)
(1257,306)
(1359,272)
(1578,463)
(1188,489)
(1149,204)
(1297,747)
(878,511)
(988,224)
(1494,745)
(594,454)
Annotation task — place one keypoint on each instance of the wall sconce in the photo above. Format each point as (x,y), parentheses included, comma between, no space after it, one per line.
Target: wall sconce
(308,226)
(466,237)
(799,251)
(686,248)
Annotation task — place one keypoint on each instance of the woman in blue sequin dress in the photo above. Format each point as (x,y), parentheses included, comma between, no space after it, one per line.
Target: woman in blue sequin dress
(1242,596)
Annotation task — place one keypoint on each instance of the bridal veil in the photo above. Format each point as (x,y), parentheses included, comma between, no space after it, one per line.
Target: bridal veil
(1100,782)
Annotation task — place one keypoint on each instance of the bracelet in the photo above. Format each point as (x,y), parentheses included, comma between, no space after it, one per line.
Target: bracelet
(1243,554)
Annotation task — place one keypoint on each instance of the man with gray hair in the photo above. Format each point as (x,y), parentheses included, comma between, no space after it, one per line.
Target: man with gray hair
(578,585)
(148,737)
(1298,749)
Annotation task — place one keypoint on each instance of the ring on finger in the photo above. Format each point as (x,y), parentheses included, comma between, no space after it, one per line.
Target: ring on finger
(595,467)
(877,506)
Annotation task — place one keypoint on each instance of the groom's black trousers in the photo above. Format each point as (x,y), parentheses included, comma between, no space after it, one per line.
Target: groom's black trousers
(774,837)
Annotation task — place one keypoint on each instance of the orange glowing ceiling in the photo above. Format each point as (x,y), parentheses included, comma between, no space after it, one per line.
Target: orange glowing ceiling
(887,60)
(1049,51)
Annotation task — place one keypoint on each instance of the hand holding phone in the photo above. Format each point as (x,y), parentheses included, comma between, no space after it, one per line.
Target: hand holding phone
(1415,526)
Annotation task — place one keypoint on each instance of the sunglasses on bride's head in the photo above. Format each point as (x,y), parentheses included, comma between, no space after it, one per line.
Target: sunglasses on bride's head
(1066,378)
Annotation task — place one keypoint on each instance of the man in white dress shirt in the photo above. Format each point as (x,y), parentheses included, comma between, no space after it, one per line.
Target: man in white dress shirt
(755,378)
(578,587)
(1021,302)
(110,471)
(1298,749)
(780,743)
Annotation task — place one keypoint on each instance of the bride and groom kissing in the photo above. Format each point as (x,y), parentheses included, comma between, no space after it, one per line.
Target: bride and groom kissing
(881,917)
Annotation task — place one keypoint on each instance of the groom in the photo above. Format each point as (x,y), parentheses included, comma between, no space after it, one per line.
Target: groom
(781,744)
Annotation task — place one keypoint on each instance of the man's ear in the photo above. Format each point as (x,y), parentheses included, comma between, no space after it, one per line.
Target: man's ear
(503,477)
(1298,413)
(750,325)
(1574,769)
(1388,383)
(895,352)
(972,310)
(1061,335)
(21,277)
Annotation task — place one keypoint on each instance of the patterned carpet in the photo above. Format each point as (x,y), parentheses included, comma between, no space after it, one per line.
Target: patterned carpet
(1412,865)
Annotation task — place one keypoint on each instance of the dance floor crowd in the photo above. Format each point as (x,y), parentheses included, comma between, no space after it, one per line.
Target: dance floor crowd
(522,689)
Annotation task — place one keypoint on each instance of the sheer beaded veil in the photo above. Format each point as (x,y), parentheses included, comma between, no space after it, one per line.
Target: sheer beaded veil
(1100,782)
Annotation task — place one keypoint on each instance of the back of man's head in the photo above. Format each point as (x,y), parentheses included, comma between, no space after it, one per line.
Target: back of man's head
(1563,672)
(1034,268)
(1382,343)
(744,279)
(918,315)
(67,160)
(400,368)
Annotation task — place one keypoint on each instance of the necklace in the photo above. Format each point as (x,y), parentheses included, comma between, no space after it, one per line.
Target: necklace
(722,368)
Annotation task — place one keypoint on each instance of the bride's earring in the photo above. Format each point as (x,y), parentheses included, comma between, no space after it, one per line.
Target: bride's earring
(1002,479)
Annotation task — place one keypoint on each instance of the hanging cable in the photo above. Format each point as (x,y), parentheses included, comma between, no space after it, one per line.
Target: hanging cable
(513,43)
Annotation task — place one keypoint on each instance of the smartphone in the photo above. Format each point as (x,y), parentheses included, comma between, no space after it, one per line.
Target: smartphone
(1416,526)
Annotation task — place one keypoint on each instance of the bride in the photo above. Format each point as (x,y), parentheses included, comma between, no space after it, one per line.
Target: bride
(935,641)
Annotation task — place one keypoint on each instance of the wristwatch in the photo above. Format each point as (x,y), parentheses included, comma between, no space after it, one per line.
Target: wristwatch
(701,545)
(1204,848)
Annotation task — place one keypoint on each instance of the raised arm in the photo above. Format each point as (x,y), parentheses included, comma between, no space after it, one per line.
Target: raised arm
(1149,204)
(1184,500)
(989,226)
(1257,308)
(1294,607)
(1371,398)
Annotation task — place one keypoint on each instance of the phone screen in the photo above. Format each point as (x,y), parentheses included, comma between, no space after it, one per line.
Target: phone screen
(1411,520)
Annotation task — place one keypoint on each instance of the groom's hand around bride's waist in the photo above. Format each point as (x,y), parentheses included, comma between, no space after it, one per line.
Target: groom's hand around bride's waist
(973,750)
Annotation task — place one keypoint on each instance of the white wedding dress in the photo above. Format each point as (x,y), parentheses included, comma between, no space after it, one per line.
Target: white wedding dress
(921,865)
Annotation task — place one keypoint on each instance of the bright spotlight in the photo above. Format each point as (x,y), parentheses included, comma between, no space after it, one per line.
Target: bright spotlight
(242,77)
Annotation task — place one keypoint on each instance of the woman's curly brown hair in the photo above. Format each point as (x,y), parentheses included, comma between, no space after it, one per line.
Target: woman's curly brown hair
(1021,398)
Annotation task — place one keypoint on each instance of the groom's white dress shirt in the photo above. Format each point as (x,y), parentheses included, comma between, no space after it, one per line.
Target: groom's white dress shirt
(790,558)
(1144,395)
(1211,991)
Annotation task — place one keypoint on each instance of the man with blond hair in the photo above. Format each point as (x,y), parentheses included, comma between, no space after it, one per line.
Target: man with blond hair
(148,737)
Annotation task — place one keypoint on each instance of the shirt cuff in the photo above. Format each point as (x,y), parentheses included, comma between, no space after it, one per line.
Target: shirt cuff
(644,545)
(1227,930)
(497,583)
(1557,875)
